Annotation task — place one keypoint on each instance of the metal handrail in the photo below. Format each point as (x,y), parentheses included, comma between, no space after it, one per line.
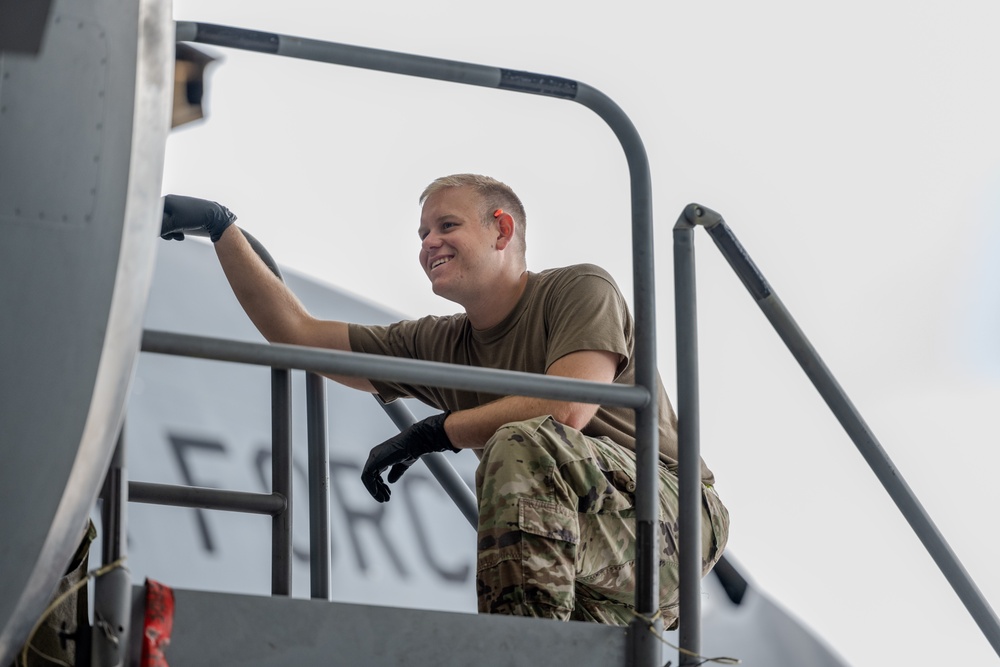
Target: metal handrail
(178,495)
(827,386)
(277,504)
(283,358)
(379,367)
(645,647)
(689,487)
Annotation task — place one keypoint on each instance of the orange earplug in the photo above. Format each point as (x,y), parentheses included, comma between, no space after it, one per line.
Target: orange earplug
(497,213)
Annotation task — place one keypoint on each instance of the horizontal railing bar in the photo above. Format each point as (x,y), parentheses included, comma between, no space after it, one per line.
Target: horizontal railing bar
(209,499)
(378,367)
(372,59)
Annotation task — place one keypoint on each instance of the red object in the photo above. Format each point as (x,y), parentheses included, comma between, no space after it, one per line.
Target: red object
(158,624)
(497,213)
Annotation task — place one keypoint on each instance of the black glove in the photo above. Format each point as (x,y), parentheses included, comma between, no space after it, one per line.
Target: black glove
(194,216)
(401,451)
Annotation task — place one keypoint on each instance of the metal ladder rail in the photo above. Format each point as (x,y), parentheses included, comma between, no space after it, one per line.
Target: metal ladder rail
(277,504)
(112,602)
(836,399)
(646,648)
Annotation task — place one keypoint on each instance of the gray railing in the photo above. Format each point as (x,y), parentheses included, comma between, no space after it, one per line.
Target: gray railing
(646,648)
(827,386)
(278,503)
(282,359)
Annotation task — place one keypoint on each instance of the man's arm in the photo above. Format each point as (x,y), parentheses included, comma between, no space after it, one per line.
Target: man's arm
(471,429)
(273,308)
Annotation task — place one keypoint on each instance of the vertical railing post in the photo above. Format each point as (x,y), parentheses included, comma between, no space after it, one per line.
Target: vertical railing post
(281,480)
(688,443)
(319,488)
(112,591)
(646,648)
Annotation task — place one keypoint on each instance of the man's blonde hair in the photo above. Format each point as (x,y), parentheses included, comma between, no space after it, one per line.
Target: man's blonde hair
(493,194)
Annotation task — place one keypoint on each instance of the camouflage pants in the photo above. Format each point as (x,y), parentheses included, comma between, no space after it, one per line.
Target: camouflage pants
(557,526)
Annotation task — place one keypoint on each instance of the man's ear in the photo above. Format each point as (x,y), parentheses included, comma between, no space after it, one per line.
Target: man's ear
(505,230)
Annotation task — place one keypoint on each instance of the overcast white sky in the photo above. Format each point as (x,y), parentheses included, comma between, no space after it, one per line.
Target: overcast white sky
(853,148)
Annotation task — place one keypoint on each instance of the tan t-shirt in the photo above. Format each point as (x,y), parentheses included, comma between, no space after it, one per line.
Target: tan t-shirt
(561,311)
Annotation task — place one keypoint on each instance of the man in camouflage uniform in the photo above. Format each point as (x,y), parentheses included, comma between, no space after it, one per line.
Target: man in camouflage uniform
(556,479)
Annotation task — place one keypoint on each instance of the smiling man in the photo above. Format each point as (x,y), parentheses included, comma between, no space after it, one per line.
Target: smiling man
(556,480)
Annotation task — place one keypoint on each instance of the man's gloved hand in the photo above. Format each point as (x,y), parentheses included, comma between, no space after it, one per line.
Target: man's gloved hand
(401,451)
(188,215)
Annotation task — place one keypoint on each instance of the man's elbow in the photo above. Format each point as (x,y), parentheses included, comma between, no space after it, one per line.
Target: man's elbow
(574,415)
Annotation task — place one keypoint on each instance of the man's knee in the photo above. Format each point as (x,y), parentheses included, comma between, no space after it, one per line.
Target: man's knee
(715,529)
(512,463)
(518,433)
(541,439)
(517,448)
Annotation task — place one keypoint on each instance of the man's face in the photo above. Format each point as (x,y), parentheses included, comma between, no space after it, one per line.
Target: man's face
(456,249)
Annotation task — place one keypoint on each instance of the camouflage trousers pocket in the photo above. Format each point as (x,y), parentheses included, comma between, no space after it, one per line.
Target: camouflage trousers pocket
(532,572)
(545,519)
(550,534)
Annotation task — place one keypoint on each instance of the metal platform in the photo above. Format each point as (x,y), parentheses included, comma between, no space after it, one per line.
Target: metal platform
(213,629)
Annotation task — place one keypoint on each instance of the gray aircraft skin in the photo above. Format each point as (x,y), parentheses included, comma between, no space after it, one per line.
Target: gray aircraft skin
(84,114)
